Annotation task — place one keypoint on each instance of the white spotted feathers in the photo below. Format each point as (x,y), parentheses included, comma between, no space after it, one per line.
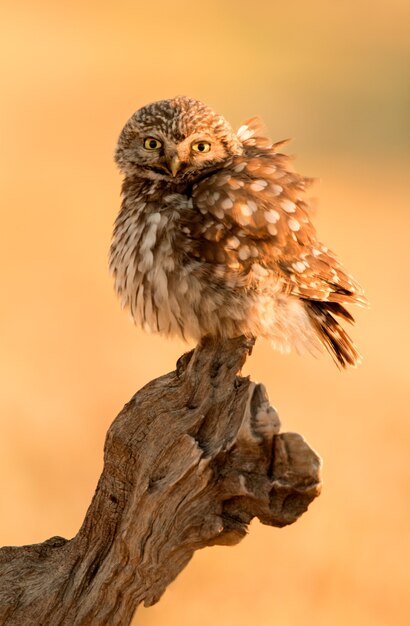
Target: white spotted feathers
(226,247)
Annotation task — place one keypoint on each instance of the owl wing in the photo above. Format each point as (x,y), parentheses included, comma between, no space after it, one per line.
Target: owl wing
(253,215)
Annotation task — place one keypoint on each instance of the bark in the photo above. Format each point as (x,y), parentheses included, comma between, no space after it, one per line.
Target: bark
(189,461)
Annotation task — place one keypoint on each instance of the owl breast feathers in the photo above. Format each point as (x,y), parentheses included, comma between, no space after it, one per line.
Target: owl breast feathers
(214,236)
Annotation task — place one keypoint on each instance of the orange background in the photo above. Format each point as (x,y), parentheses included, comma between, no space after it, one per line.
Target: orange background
(335,77)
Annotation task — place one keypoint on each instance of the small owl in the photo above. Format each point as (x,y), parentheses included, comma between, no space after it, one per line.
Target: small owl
(214,236)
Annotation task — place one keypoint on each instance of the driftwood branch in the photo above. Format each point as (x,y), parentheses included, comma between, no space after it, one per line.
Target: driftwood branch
(189,461)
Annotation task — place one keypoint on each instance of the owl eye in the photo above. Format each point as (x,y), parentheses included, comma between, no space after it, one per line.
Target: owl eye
(150,143)
(201,146)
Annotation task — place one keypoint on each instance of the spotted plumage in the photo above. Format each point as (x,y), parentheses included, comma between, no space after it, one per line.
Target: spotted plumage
(214,236)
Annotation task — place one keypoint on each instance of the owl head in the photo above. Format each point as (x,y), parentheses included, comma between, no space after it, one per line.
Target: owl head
(175,140)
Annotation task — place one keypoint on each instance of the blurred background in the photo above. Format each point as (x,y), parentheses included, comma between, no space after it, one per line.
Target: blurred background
(335,77)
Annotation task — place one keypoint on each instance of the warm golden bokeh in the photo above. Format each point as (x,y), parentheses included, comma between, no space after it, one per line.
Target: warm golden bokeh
(336,77)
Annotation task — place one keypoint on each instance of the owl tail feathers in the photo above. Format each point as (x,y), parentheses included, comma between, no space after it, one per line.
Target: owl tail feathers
(331,334)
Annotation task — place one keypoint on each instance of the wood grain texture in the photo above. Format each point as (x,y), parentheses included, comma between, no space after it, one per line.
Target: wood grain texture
(189,461)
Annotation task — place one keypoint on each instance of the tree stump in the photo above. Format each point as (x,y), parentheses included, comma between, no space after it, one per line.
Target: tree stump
(189,461)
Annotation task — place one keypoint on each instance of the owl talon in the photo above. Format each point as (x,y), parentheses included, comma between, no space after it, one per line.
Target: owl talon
(182,362)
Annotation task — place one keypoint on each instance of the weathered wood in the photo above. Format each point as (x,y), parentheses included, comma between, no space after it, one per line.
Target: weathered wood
(188,462)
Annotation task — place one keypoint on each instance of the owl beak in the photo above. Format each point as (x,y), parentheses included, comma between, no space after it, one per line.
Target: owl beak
(174,165)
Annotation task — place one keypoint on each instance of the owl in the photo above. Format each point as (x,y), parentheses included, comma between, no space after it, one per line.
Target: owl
(214,236)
